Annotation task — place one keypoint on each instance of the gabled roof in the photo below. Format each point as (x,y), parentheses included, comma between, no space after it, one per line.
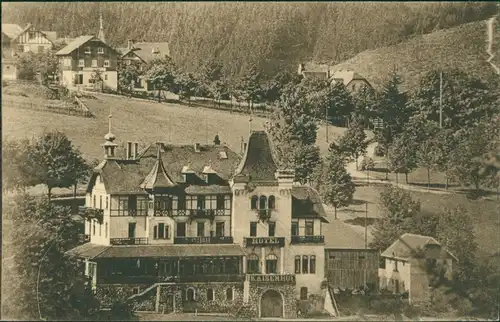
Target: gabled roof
(11,30)
(347,76)
(132,176)
(306,203)
(406,246)
(78,42)
(51,35)
(148,51)
(258,163)
(338,235)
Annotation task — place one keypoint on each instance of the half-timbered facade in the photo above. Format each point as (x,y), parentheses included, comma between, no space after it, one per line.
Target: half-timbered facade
(29,38)
(180,228)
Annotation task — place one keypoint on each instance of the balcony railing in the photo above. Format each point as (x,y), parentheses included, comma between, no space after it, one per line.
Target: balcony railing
(129,241)
(202,213)
(204,240)
(319,239)
(150,279)
(271,278)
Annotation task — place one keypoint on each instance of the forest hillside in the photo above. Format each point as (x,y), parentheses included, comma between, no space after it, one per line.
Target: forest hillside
(274,36)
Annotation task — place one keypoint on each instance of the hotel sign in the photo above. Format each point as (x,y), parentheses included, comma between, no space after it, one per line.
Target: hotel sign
(265,241)
(281,279)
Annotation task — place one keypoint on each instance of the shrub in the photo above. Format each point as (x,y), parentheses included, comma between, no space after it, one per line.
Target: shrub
(379,151)
(367,164)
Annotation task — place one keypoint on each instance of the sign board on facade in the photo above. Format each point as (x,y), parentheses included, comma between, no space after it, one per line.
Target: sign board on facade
(284,279)
(265,241)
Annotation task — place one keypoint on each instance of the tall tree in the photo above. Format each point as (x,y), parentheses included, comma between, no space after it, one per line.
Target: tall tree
(250,86)
(335,183)
(128,76)
(397,208)
(354,141)
(428,153)
(161,74)
(14,154)
(365,104)
(43,283)
(53,161)
(465,99)
(185,85)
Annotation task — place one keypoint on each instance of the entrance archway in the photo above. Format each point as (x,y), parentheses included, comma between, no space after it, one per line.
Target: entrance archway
(271,304)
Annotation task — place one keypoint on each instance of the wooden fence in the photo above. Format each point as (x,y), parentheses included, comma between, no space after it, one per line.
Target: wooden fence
(66,109)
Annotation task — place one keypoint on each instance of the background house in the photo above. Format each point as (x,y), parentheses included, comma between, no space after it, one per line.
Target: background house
(411,263)
(351,80)
(85,57)
(141,54)
(29,38)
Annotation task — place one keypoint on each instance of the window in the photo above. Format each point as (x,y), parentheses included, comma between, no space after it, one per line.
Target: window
(262,202)
(181,229)
(272,202)
(122,205)
(100,202)
(131,229)
(295,228)
(272,228)
(200,229)
(395,265)
(200,202)
(100,229)
(309,227)
(93,202)
(100,50)
(219,229)
(93,227)
(271,264)
(305,264)
(190,294)
(94,62)
(312,264)
(106,230)
(210,294)
(163,204)
(220,202)
(31,34)
(106,63)
(87,50)
(253,264)
(81,63)
(105,76)
(253,202)
(107,202)
(135,290)
(132,205)
(297,264)
(253,229)
(229,294)
(303,293)
(181,202)
(162,231)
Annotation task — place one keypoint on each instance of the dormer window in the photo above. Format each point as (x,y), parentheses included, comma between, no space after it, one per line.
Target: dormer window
(87,50)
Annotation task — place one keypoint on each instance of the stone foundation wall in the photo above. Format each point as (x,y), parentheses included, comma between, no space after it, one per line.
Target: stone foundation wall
(109,293)
(219,304)
(287,291)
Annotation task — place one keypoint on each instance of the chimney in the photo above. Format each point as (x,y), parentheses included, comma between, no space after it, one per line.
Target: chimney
(136,150)
(197,147)
(129,150)
(130,44)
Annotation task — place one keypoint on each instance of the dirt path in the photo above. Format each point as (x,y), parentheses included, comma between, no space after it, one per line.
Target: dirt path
(489,49)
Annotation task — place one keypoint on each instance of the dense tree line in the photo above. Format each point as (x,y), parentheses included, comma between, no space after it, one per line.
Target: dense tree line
(273,37)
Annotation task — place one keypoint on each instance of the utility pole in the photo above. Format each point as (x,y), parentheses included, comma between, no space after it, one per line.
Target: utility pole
(326,122)
(441,99)
(366,242)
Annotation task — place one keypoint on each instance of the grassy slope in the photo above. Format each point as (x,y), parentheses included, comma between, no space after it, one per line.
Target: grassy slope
(140,121)
(461,47)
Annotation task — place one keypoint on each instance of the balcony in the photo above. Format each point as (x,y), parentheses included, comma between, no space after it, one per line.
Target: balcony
(265,241)
(204,240)
(271,278)
(320,239)
(150,279)
(129,241)
(201,213)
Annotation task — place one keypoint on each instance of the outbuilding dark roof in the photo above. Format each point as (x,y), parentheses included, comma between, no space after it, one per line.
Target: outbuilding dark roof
(406,246)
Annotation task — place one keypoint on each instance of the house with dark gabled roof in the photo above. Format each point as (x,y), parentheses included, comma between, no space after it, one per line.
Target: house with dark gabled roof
(29,38)
(141,54)
(412,262)
(184,227)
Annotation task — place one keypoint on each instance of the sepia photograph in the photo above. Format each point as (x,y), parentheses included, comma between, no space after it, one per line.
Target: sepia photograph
(250,161)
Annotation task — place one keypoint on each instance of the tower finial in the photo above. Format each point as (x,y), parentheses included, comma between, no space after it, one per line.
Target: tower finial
(101,27)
